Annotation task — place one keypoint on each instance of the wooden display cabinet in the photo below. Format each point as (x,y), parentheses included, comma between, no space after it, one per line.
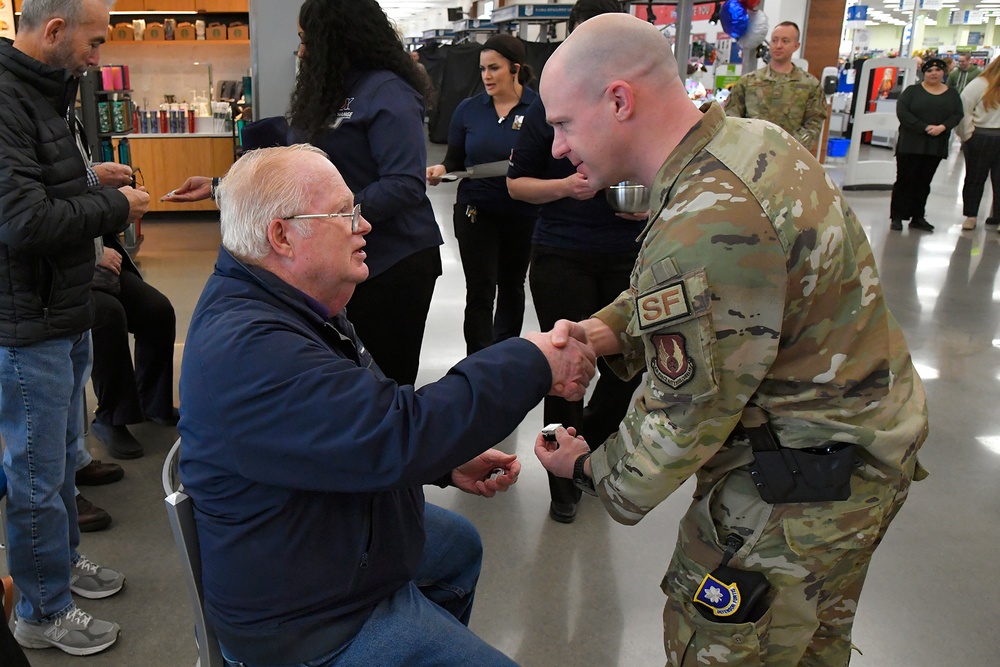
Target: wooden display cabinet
(222,6)
(167,6)
(167,161)
(129,6)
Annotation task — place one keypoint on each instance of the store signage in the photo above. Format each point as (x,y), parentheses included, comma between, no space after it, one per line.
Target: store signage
(726,76)
(965,17)
(930,5)
(856,16)
(862,40)
(6,20)
(521,12)
(667,14)
(469,25)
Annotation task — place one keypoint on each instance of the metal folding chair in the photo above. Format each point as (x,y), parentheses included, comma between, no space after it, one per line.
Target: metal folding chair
(180,512)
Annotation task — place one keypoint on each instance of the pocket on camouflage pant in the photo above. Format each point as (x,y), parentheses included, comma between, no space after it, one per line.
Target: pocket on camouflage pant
(691,639)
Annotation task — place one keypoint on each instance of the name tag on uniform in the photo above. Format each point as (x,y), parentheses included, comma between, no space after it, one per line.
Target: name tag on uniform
(518,121)
(662,306)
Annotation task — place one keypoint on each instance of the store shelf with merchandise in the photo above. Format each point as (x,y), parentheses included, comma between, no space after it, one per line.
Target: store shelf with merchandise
(173,6)
(167,45)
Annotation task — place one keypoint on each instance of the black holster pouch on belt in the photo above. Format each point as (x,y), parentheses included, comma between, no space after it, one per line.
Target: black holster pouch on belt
(785,475)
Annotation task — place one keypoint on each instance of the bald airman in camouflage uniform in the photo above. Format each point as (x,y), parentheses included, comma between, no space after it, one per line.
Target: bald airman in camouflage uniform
(755,291)
(781,92)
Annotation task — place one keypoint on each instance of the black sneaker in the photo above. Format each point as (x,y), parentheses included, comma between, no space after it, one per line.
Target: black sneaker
(120,441)
(921,225)
(896,224)
(992,221)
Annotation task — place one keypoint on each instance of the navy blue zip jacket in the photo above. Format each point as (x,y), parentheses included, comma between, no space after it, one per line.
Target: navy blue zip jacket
(305,463)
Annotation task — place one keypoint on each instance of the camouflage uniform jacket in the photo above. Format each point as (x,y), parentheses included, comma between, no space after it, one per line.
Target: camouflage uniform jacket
(793,102)
(755,283)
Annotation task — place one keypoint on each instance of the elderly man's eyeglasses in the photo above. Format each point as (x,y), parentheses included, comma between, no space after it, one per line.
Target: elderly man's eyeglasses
(354,215)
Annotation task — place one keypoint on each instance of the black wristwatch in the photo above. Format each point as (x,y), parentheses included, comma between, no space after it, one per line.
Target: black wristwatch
(580,479)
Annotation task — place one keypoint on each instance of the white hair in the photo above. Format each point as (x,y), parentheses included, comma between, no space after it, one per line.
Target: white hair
(265,184)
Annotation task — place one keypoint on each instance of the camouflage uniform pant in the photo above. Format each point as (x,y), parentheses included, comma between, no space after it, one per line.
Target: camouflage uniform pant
(815,556)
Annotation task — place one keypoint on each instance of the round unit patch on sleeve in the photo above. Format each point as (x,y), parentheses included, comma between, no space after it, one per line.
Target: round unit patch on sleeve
(672,364)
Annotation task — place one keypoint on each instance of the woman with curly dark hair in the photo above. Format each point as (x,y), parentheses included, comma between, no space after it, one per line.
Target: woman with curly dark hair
(359,97)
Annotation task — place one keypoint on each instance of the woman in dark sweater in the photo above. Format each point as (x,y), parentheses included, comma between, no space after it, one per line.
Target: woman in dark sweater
(359,97)
(927,112)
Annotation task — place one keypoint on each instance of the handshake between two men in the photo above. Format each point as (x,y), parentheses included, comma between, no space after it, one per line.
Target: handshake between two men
(572,361)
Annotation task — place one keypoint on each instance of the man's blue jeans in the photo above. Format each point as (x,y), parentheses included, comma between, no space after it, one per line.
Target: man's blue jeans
(41,418)
(424,623)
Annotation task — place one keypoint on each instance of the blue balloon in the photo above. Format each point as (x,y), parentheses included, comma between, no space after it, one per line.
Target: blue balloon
(735,19)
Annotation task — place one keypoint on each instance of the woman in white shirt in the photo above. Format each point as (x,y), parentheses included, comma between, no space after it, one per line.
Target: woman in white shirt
(980,135)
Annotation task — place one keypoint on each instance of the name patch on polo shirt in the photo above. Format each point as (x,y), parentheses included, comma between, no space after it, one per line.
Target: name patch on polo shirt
(662,306)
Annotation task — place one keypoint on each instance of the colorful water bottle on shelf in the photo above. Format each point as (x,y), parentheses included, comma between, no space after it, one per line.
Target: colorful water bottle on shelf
(107,151)
(124,152)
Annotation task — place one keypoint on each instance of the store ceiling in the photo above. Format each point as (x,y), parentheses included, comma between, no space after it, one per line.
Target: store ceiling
(402,10)
(888,11)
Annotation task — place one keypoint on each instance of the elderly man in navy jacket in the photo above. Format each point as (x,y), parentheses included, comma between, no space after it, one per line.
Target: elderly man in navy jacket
(305,463)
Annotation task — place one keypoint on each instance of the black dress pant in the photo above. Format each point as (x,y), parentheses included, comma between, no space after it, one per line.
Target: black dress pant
(573,285)
(982,159)
(495,248)
(914,174)
(389,313)
(11,653)
(127,395)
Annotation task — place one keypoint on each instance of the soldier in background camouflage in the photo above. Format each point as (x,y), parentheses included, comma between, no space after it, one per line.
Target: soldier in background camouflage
(781,92)
(755,286)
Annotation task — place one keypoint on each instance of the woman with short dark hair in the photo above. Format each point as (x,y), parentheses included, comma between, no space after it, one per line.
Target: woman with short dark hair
(927,112)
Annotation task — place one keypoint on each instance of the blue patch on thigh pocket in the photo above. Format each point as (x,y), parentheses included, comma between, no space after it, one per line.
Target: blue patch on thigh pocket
(691,639)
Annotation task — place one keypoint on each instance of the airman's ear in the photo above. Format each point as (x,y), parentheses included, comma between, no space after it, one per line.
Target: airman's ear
(622,97)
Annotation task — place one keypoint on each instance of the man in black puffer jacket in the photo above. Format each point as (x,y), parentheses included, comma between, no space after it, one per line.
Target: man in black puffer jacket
(49,218)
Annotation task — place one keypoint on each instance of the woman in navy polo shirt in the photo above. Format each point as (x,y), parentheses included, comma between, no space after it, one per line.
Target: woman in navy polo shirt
(360,98)
(582,259)
(493,230)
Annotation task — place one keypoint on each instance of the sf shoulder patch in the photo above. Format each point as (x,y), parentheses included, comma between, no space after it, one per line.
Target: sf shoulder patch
(662,306)
(671,364)
(722,598)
